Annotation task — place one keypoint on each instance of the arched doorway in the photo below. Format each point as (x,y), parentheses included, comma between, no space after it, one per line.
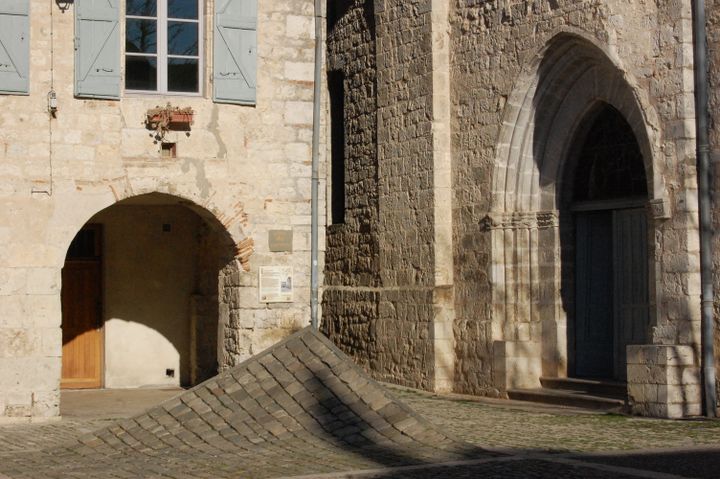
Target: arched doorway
(140,299)
(609,208)
(576,198)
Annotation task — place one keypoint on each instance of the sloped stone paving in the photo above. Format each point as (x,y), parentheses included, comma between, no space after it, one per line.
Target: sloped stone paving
(300,407)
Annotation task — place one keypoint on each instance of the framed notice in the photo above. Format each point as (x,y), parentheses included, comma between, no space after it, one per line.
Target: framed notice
(276,284)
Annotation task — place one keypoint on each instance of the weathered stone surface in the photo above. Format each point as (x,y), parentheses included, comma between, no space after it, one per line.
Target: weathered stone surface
(244,169)
(663,381)
(522,78)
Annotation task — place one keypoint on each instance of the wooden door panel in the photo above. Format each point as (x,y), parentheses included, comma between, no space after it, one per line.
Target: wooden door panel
(632,312)
(82,339)
(594,351)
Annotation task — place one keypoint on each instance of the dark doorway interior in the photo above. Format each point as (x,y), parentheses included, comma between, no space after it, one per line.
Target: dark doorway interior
(611,248)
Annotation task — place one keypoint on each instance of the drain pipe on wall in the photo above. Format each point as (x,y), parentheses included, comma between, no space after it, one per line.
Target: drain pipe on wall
(317,97)
(703,174)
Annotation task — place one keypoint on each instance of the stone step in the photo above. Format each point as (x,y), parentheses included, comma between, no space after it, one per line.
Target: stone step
(592,387)
(567,398)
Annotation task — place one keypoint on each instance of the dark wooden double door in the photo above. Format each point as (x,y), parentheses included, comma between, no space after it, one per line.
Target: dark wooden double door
(611,290)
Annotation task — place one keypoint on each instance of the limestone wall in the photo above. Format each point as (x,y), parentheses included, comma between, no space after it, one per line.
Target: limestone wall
(247,167)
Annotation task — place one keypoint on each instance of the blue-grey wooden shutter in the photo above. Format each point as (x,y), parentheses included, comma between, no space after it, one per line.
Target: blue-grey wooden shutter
(235,52)
(97,48)
(14,46)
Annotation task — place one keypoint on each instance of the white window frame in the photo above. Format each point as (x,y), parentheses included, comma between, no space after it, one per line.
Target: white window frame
(161,54)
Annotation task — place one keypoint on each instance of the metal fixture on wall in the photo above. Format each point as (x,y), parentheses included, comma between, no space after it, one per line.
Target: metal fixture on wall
(52,100)
(63,5)
(705,210)
(315,168)
(52,103)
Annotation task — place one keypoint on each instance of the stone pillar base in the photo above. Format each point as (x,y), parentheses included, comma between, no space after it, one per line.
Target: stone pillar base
(516,364)
(663,381)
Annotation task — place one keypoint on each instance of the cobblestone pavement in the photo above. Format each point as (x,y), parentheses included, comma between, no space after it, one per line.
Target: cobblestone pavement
(300,407)
(302,410)
(510,424)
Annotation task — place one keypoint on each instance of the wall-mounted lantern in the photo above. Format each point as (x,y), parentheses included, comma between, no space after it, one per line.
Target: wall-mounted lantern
(63,5)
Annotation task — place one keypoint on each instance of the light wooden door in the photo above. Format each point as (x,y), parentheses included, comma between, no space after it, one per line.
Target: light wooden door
(81,325)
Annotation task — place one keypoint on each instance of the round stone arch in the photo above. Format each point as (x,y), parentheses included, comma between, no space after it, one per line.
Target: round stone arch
(564,82)
(208,264)
(76,206)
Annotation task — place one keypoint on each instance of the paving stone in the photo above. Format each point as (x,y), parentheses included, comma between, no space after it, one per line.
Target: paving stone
(333,431)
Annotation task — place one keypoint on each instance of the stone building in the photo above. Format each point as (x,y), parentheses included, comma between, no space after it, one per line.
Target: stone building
(155,156)
(514,194)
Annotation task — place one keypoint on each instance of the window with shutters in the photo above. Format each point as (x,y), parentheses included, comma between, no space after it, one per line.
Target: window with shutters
(163,48)
(14,46)
(163,52)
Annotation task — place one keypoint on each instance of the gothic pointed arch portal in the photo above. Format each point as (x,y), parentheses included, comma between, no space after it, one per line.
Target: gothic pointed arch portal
(609,223)
(574,166)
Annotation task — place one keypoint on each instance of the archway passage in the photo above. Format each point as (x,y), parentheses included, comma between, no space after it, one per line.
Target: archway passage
(140,298)
(611,246)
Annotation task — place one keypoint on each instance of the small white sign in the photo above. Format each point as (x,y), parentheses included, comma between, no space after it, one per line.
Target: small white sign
(276,284)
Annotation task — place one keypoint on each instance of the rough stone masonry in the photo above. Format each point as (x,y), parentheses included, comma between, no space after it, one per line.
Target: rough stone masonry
(469,124)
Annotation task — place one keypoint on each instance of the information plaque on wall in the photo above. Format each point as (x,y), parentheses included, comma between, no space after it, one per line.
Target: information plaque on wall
(276,284)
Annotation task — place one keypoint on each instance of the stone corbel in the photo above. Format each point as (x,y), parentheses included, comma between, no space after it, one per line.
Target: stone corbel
(660,208)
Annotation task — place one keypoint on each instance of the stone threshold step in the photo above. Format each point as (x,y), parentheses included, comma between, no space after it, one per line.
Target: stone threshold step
(567,398)
(592,387)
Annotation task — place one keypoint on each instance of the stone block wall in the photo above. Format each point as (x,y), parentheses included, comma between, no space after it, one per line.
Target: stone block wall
(382,262)
(370,307)
(353,245)
(247,168)
(350,298)
(405,158)
(499,185)
(516,364)
(664,381)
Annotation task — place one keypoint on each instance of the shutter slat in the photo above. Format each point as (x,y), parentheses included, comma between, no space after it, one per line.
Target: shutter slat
(97,49)
(14,46)
(235,52)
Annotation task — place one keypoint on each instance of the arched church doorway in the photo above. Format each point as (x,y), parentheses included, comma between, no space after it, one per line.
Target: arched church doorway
(140,302)
(608,205)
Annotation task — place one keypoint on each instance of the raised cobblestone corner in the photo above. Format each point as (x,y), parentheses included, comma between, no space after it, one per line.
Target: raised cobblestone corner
(300,407)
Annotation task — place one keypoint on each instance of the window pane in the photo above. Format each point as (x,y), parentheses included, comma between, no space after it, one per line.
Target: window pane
(182,38)
(140,73)
(182,9)
(183,75)
(141,36)
(143,8)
